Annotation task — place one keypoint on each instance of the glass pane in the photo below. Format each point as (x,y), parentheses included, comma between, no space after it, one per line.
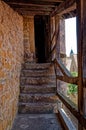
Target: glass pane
(71,119)
(68,45)
(70,91)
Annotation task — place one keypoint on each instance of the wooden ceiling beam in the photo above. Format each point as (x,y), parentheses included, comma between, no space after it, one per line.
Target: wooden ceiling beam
(26,4)
(43,2)
(27,7)
(28,13)
(33,9)
(65,7)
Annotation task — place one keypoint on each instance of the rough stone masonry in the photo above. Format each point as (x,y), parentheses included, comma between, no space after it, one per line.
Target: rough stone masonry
(11,58)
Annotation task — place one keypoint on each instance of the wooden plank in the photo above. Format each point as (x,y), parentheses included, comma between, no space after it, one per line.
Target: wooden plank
(29,1)
(64,7)
(67,123)
(81,10)
(62,122)
(80,29)
(68,10)
(54,34)
(44,2)
(72,109)
(32,9)
(25,13)
(27,7)
(68,79)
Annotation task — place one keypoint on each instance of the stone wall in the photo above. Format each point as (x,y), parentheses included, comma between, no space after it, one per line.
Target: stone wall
(11,57)
(29,42)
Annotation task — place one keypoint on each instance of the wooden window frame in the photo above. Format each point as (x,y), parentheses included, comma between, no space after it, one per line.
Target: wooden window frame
(63,8)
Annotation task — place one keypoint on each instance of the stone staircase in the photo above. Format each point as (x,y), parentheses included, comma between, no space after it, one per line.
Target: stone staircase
(37,89)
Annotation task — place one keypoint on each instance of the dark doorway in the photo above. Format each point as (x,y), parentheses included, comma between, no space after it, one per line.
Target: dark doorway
(39,23)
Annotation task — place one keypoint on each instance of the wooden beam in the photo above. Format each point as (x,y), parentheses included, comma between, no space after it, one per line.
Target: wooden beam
(72,109)
(66,122)
(64,7)
(80,29)
(81,32)
(26,13)
(62,67)
(29,1)
(31,8)
(68,79)
(29,5)
(68,10)
(44,2)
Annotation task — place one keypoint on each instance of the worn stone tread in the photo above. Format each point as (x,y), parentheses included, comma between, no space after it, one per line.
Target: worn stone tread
(49,98)
(34,108)
(37,80)
(37,89)
(37,66)
(36,122)
(30,73)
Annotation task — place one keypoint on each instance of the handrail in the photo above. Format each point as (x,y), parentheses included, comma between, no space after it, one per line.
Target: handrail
(71,80)
(67,77)
(62,67)
(81,119)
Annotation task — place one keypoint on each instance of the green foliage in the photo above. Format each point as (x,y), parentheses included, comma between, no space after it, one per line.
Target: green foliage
(72,88)
(74,74)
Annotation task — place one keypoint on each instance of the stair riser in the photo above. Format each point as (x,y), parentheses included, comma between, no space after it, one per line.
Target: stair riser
(25,109)
(37,81)
(37,99)
(37,66)
(36,73)
(37,90)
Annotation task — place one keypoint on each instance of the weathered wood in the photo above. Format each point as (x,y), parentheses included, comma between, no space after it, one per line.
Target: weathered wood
(29,5)
(64,7)
(31,8)
(62,67)
(68,79)
(54,34)
(44,2)
(68,10)
(72,109)
(57,28)
(53,49)
(81,9)
(26,13)
(63,124)
(67,123)
(29,1)
(80,29)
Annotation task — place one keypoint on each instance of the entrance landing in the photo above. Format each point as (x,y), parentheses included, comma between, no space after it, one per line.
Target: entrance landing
(36,122)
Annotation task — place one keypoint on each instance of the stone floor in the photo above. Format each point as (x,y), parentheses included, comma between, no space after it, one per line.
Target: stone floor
(36,122)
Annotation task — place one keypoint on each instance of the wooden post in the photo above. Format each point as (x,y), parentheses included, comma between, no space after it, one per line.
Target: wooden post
(57,24)
(81,38)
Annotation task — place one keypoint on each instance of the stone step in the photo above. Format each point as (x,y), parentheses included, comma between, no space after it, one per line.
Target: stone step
(35,108)
(37,80)
(33,98)
(37,73)
(37,66)
(37,89)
